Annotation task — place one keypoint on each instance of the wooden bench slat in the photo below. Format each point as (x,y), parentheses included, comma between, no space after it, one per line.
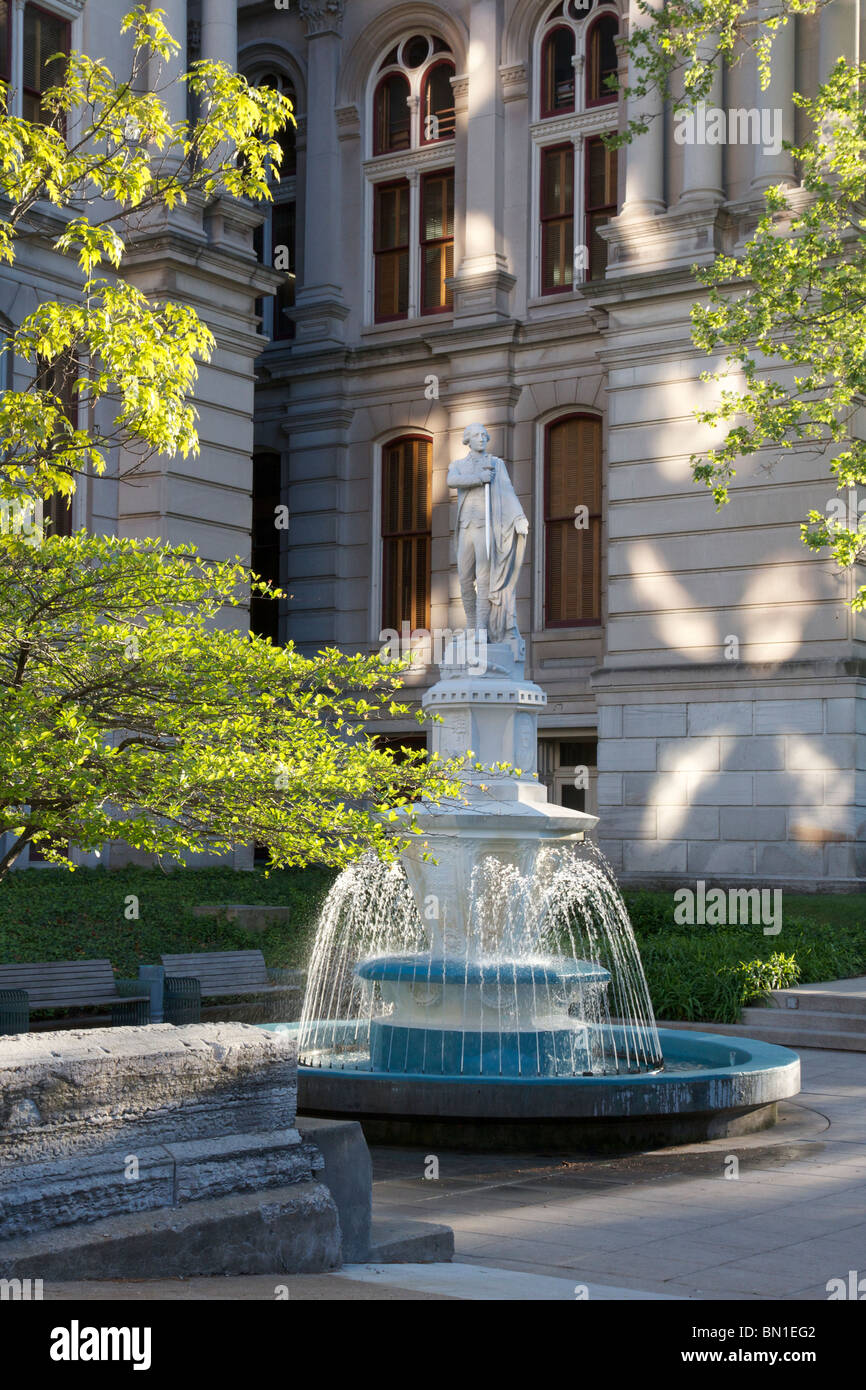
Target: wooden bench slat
(65,984)
(225,972)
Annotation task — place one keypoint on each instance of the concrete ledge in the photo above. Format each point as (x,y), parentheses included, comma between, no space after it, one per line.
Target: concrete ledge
(86,1091)
(348,1174)
(293,1229)
(410,1242)
(252,917)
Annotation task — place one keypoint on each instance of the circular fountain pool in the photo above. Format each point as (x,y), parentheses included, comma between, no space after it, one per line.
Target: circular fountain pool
(526,1024)
(708,1087)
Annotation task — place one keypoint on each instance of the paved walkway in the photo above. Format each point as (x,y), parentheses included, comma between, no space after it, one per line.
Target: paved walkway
(663,1224)
(669,1222)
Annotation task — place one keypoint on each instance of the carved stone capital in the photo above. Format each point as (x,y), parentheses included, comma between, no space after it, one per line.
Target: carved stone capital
(321,16)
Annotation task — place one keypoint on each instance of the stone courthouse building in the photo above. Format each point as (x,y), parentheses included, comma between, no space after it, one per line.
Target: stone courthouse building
(454,242)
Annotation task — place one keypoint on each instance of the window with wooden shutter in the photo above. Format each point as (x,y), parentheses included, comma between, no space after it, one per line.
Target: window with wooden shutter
(391,130)
(58,378)
(437,240)
(437,104)
(572,539)
(557,219)
(391,250)
(557,72)
(406,532)
(602,60)
(45,35)
(601,176)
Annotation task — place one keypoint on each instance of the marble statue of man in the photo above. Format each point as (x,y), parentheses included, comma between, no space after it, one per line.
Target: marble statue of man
(487,580)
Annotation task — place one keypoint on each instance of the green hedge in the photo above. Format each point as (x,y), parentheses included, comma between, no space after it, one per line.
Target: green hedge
(707,974)
(700,974)
(52,914)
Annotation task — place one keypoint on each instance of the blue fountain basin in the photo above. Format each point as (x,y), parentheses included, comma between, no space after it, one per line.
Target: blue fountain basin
(703,1073)
(549,1051)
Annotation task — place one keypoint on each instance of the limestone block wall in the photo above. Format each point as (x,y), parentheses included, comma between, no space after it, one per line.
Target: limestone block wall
(766,783)
(169,1150)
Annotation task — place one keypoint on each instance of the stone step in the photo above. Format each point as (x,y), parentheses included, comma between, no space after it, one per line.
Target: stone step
(819,1001)
(292,1228)
(792,1036)
(805,1020)
(410,1242)
(54,1193)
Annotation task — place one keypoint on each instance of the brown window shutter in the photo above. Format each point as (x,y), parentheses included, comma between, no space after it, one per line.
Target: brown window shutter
(572,554)
(406,533)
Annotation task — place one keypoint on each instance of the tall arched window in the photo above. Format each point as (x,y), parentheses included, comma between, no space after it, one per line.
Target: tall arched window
(576,172)
(602,61)
(572,521)
(406,532)
(437,103)
(391,114)
(412,197)
(275,240)
(557,71)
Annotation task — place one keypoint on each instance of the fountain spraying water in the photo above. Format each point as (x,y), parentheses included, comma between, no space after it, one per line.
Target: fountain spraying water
(546,982)
(489,985)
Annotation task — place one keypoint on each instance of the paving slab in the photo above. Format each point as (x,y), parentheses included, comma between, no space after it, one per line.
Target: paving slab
(670,1221)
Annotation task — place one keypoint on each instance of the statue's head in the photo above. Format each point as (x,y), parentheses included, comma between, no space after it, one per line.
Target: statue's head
(476,437)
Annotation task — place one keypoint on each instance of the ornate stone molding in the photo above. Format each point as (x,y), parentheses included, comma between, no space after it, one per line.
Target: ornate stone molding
(321,16)
(460,88)
(515,83)
(348,122)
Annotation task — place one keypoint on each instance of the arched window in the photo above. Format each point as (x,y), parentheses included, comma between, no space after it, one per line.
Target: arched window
(391,119)
(602,61)
(287,137)
(437,103)
(576,173)
(412,197)
(572,521)
(413,102)
(406,532)
(275,240)
(557,71)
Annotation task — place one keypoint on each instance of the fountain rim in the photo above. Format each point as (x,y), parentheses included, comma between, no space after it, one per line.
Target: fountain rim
(445,969)
(757,1059)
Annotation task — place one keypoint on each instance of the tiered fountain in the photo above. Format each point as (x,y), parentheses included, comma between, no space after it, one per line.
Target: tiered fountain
(488,990)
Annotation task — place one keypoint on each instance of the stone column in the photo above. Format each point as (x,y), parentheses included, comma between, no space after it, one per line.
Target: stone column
(775,106)
(702,150)
(16,58)
(645,155)
(163,75)
(219,31)
(320,309)
(482,281)
(837,36)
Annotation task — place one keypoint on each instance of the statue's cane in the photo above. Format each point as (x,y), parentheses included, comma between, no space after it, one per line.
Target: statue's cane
(487,517)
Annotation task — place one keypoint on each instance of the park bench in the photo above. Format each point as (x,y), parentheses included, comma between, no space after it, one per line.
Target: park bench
(68,984)
(222,975)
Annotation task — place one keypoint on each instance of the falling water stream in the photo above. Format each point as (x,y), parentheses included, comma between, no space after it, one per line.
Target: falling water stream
(546,982)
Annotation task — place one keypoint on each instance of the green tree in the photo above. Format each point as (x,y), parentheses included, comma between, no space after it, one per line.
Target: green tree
(789,313)
(127,710)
